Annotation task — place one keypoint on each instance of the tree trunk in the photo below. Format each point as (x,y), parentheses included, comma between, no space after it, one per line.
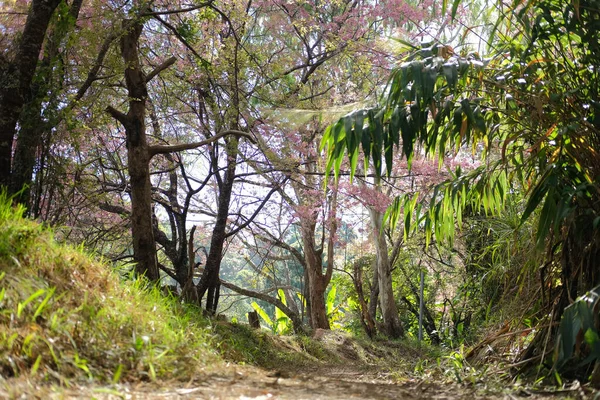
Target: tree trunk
(16,77)
(138,156)
(374,295)
(253,320)
(209,283)
(317,281)
(306,309)
(33,127)
(389,311)
(366,319)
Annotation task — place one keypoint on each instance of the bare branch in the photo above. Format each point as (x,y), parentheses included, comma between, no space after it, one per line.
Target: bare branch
(260,207)
(178,36)
(271,239)
(167,271)
(118,115)
(163,149)
(115,209)
(151,13)
(93,73)
(296,321)
(170,61)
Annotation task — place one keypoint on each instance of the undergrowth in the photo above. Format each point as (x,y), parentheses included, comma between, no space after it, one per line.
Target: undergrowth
(64,316)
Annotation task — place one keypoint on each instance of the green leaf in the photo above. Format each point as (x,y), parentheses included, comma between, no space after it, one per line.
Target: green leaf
(42,305)
(263,314)
(455,8)
(331,299)
(417,76)
(21,306)
(394,127)
(392,213)
(537,195)
(591,337)
(281,295)
(366,143)
(36,365)
(357,133)
(376,133)
(117,375)
(450,73)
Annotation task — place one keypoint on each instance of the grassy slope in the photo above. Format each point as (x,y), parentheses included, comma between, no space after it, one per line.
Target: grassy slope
(64,315)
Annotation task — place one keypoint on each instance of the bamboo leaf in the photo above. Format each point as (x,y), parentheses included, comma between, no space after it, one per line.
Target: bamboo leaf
(547,216)
(263,314)
(536,196)
(450,73)
(455,8)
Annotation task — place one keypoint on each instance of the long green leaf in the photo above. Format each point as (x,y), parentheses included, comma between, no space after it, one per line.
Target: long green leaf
(455,8)
(263,314)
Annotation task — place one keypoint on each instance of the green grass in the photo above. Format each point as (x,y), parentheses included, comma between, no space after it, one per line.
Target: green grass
(242,344)
(65,316)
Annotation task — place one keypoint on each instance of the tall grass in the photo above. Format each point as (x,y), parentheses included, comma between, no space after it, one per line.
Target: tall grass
(65,316)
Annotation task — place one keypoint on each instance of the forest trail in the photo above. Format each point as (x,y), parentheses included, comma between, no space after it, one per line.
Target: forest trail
(327,383)
(378,374)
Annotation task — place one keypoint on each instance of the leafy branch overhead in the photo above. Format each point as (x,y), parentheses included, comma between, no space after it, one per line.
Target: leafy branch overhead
(543,130)
(433,104)
(532,113)
(433,85)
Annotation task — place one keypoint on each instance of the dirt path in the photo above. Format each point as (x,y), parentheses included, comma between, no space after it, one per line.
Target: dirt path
(251,383)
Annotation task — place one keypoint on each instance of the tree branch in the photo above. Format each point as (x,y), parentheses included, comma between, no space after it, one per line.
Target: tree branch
(260,207)
(163,149)
(178,36)
(93,73)
(118,115)
(151,13)
(167,271)
(396,250)
(296,321)
(115,209)
(170,61)
(281,244)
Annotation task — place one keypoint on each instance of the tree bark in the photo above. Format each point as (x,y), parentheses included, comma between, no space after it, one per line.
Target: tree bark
(33,127)
(209,283)
(374,295)
(366,319)
(138,156)
(389,311)
(317,282)
(16,77)
(253,320)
